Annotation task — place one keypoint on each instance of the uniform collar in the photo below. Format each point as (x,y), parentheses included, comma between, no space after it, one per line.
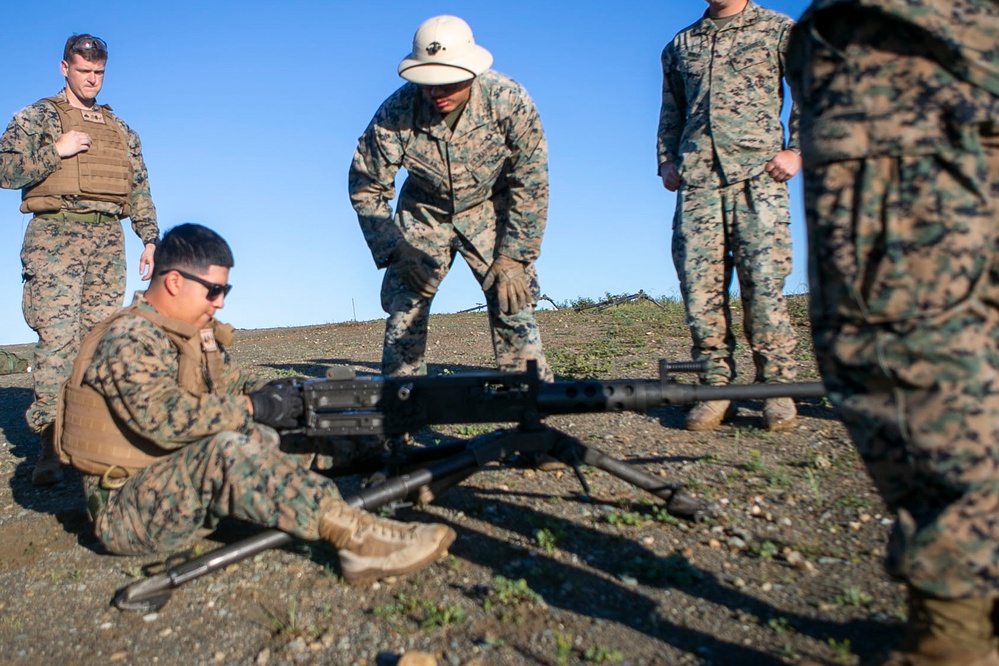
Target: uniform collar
(749,15)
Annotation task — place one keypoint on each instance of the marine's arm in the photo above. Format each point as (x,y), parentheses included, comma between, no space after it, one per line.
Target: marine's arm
(787,162)
(672,117)
(524,224)
(371,184)
(27,148)
(135,368)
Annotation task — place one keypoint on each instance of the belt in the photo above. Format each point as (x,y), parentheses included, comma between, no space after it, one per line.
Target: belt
(93,217)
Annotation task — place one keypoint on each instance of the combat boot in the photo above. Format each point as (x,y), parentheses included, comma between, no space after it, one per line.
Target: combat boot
(48,469)
(779,413)
(371,548)
(709,415)
(946,632)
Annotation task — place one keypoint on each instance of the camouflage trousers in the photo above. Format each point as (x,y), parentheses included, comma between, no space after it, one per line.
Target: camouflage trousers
(906,332)
(516,338)
(74,277)
(166,505)
(745,227)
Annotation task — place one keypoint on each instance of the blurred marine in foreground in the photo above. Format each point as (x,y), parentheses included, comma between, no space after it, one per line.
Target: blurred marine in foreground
(80,170)
(477,185)
(899,102)
(172,437)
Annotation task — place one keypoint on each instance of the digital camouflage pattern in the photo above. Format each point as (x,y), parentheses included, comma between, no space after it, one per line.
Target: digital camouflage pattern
(744,226)
(722,97)
(74,277)
(720,123)
(479,190)
(901,185)
(73,271)
(223,463)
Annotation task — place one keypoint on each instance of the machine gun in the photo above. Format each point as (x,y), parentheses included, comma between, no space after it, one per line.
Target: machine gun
(392,407)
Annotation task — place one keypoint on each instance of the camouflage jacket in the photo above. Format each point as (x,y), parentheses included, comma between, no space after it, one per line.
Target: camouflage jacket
(861,117)
(488,177)
(28,155)
(135,368)
(722,97)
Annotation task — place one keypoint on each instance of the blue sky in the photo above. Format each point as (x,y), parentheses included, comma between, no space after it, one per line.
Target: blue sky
(249,113)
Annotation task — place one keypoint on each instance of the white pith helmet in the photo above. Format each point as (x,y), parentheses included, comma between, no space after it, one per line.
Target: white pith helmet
(444,51)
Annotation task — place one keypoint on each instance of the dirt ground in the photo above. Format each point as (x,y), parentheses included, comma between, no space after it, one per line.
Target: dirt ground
(540,573)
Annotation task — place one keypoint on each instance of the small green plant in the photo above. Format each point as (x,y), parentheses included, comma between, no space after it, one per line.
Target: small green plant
(285,623)
(841,650)
(779,625)
(764,550)
(600,654)
(755,462)
(778,478)
(813,483)
(563,648)
(508,592)
(403,605)
(625,518)
(440,615)
(546,538)
(853,596)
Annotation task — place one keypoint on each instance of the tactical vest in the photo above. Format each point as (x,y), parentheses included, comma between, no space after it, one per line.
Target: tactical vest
(91,438)
(101,173)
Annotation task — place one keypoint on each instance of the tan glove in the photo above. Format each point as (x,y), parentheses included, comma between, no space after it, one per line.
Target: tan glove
(511,284)
(416,269)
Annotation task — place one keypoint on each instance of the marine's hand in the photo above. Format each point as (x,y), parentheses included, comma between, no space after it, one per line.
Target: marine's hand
(784,165)
(670,176)
(416,269)
(146,261)
(510,279)
(72,142)
(278,404)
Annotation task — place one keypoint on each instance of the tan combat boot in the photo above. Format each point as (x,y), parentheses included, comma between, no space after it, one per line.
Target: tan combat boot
(709,415)
(48,469)
(779,413)
(371,548)
(946,632)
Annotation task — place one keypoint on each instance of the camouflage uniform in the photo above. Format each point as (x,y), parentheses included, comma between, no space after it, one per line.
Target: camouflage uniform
(479,190)
(720,123)
(901,160)
(223,464)
(73,269)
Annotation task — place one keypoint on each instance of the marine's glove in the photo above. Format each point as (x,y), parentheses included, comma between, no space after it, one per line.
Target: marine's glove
(510,279)
(278,404)
(416,269)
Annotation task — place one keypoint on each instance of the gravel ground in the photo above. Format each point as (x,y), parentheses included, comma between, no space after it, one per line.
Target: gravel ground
(540,574)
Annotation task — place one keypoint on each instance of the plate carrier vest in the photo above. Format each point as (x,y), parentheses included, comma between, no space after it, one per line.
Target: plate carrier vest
(101,173)
(91,438)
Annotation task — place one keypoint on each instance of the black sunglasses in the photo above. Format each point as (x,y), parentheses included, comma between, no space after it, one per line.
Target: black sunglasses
(84,43)
(214,290)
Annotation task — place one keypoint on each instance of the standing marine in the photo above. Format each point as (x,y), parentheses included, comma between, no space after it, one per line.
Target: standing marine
(80,170)
(477,185)
(722,148)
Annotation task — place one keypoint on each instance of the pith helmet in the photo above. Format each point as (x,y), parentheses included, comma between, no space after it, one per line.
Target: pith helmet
(444,51)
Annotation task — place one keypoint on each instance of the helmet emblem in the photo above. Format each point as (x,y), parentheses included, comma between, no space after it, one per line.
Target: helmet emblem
(434,47)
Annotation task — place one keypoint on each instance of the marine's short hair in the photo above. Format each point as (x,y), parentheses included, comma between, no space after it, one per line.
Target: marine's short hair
(192,247)
(90,48)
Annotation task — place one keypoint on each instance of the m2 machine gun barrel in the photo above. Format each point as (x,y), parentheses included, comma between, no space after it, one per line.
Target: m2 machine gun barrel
(397,405)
